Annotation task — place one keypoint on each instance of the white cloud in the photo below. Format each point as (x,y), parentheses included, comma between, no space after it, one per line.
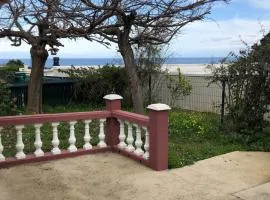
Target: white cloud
(218,38)
(197,39)
(262,4)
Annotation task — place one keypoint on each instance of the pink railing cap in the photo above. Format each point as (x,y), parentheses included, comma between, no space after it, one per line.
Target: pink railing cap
(159,107)
(112,97)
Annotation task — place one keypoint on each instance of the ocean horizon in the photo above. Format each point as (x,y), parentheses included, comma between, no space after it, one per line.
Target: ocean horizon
(118,61)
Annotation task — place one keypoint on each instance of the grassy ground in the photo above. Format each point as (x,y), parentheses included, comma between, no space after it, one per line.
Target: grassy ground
(193,136)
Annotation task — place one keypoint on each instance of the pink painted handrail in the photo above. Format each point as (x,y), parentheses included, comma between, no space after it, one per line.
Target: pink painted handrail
(155,127)
(44,118)
(131,117)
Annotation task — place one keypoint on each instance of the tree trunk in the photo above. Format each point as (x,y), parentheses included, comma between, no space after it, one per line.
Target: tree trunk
(150,89)
(39,56)
(134,82)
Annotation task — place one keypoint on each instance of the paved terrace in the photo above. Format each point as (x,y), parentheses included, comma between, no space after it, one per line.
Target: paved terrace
(233,176)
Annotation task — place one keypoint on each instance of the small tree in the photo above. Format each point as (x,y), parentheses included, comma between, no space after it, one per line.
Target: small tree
(248,82)
(149,62)
(178,86)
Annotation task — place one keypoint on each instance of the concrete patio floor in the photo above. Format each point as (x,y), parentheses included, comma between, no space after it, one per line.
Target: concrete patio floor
(233,176)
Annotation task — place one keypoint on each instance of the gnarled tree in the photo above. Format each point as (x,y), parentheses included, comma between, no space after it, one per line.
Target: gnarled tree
(41,23)
(141,22)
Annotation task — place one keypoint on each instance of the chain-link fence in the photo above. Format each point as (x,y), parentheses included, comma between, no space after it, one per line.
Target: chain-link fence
(204,97)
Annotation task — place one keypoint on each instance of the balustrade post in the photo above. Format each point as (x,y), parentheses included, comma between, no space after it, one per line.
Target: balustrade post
(55,140)
(101,134)
(146,144)
(87,137)
(122,135)
(138,142)
(19,145)
(158,136)
(38,143)
(113,102)
(72,138)
(2,157)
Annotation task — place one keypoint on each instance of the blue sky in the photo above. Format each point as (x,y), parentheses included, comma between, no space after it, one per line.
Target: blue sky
(223,31)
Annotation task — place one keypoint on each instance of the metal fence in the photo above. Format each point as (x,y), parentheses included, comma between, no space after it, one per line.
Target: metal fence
(204,97)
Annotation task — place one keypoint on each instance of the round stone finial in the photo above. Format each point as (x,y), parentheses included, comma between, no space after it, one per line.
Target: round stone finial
(112,97)
(159,107)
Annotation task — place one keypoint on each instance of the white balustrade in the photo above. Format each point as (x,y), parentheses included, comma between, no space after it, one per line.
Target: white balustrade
(19,146)
(130,139)
(146,143)
(38,143)
(87,136)
(122,135)
(138,142)
(55,140)
(101,135)
(72,138)
(2,157)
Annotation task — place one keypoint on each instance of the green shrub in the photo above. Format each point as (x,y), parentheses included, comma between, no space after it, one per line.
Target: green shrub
(14,64)
(7,72)
(7,104)
(94,83)
(178,86)
(248,81)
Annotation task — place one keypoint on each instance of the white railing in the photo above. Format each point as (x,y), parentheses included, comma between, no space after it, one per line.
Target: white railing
(142,138)
(126,138)
(55,140)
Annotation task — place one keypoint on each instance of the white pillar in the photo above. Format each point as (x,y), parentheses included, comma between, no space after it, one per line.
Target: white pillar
(55,140)
(146,143)
(138,142)
(87,136)
(2,157)
(130,139)
(72,138)
(38,142)
(19,146)
(101,135)
(122,135)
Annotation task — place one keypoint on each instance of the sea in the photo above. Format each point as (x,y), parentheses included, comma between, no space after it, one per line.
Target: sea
(118,61)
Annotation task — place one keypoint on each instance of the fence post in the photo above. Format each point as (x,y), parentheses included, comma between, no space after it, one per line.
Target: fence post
(113,102)
(222,111)
(158,133)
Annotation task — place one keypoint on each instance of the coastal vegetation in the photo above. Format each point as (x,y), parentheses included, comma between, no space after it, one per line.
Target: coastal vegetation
(7,76)
(42,24)
(149,60)
(178,86)
(7,103)
(8,70)
(247,79)
(92,84)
